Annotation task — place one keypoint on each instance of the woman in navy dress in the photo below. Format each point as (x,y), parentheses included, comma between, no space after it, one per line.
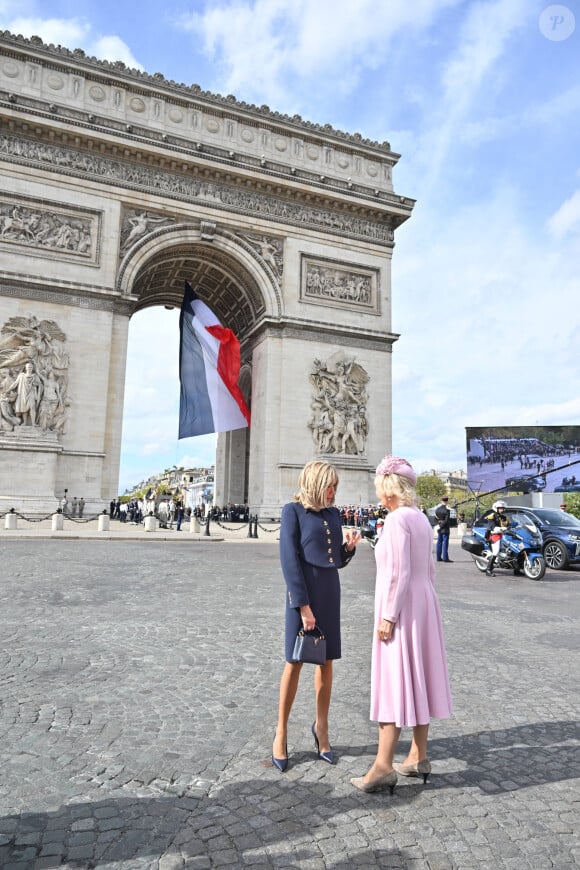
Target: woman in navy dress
(311,552)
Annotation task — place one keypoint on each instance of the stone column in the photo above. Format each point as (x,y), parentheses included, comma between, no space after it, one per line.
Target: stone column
(114,413)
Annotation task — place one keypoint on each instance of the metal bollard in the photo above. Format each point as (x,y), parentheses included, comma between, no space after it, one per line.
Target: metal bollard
(250,526)
(11,520)
(206,530)
(255,535)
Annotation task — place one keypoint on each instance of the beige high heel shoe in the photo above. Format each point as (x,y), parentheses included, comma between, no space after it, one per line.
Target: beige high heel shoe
(388,780)
(420,768)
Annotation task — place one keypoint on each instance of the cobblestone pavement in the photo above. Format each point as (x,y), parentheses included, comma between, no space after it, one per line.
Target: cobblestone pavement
(138,702)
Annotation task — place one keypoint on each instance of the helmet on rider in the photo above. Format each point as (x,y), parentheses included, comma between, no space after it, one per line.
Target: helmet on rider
(499,504)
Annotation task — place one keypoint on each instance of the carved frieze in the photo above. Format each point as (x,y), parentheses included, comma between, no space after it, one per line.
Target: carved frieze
(136,225)
(329,283)
(339,421)
(33,377)
(92,302)
(49,229)
(174,185)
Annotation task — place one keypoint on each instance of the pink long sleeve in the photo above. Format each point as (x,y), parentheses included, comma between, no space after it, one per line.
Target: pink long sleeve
(398,567)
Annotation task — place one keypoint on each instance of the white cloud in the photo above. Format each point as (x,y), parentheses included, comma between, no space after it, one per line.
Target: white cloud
(278,49)
(483,38)
(72,33)
(69,32)
(567,218)
(496,339)
(113,48)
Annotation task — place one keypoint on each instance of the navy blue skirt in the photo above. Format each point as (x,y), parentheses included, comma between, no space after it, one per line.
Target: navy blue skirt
(324,594)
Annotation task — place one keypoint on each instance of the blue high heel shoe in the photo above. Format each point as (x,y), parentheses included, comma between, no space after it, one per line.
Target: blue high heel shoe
(325,756)
(280,763)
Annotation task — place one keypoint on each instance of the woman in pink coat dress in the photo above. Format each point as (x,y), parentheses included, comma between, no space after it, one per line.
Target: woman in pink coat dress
(409,680)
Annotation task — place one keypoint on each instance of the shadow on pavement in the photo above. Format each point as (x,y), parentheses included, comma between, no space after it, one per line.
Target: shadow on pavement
(281,813)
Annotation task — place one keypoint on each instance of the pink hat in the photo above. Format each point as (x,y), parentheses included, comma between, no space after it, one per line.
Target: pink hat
(396,465)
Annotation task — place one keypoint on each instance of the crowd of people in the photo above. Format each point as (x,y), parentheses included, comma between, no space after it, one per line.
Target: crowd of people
(524,450)
(359,515)
(172,512)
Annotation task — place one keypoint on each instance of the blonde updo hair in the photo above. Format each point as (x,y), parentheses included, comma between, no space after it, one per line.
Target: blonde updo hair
(314,480)
(400,487)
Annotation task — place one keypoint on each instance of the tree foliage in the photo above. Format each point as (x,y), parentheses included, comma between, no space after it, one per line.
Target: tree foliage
(430,489)
(572,502)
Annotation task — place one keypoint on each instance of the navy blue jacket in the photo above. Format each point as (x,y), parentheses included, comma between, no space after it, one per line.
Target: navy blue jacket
(311,537)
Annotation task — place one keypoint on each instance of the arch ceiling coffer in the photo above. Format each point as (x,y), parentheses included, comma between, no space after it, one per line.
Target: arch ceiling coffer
(218,280)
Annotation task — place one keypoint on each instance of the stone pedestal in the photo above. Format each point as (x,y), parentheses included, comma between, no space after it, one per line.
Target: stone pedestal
(194,525)
(11,522)
(57,522)
(104,522)
(150,524)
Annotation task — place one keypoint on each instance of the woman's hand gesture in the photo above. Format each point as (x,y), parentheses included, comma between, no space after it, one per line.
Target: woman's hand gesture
(352,539)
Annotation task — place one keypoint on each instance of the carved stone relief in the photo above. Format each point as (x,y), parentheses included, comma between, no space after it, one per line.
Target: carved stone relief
(33,377)
(339,418)
(269,249)
(329,283)
(53,229)
(138,224)
(211,193)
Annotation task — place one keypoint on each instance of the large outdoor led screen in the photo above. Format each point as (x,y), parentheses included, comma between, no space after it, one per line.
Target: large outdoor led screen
(523,459)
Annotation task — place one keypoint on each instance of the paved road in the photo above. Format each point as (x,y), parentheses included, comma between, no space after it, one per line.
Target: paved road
(138,700)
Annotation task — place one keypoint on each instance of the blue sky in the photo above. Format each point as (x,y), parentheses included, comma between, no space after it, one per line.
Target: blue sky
(482,99)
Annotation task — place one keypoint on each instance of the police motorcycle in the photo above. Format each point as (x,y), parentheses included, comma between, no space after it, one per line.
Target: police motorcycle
(520,547)
(372,531)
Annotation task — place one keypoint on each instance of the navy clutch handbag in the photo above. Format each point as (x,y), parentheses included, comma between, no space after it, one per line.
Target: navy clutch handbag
(310,647)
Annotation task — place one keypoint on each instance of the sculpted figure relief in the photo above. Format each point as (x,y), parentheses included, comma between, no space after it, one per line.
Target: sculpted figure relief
(327,283)
(28,389)
(41,228)
(339,424)
(8,418)
(270,250)
(138,225)
(33,375)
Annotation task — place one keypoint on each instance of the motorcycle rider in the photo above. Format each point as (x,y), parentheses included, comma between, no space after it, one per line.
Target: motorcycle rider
(498,522)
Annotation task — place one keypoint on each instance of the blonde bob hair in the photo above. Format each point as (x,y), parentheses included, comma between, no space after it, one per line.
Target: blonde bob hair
(314,480)
(397,485)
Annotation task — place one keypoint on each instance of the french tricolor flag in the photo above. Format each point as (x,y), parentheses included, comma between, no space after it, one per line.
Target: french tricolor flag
(209,367)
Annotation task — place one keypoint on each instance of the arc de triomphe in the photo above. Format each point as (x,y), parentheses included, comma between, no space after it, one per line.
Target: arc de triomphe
(116,186)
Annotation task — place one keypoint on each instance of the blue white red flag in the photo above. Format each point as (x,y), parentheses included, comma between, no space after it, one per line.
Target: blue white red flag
(209,367)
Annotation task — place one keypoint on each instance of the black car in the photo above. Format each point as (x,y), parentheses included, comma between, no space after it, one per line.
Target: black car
(560,533)
(525,484)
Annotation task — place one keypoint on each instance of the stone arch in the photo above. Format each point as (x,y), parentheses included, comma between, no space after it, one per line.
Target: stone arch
(113,212)
(155,268)
(230,280)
